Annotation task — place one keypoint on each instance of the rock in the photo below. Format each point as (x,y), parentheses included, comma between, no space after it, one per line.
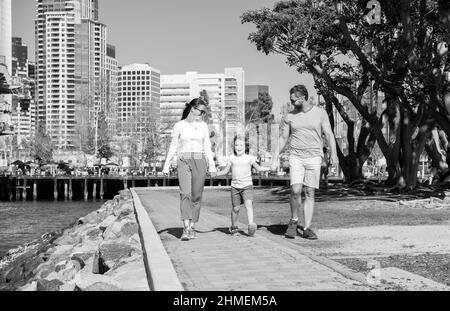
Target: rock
(93,233)
(67,240)
(101,286)
(47,286)
(87,281)
(124,208)
(98,265)
(111,252)
(131,276)
(31,287)
(120,230)
(68,287)
(78,261)
(52,276)
(60,266)
(107,222)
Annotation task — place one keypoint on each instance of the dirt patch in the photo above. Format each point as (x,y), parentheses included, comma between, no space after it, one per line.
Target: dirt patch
(432,266)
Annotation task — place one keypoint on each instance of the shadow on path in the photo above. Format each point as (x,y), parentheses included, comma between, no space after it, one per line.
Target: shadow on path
(275,229)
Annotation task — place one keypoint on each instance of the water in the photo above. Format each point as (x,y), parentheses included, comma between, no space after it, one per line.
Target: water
(23,222)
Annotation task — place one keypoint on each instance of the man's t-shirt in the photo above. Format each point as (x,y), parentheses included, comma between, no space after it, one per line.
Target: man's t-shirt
(241,168)
(306,132)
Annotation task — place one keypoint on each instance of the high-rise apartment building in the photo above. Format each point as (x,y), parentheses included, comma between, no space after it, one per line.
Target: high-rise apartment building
(138,107)
(5,70)
(23,104)
(112,77)
(225,92)
(70,68)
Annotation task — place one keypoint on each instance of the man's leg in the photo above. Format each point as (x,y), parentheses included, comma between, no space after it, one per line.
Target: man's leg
(295,200)
(308,206)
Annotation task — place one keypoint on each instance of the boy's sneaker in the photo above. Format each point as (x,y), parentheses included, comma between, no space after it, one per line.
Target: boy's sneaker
(185,235)
(192,234)
(234,230)
(309,234)
(252,229)
(291,231)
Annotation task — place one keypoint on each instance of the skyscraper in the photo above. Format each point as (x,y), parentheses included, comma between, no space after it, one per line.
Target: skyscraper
(138,107)
(5,32)
(112,78)
(70,69)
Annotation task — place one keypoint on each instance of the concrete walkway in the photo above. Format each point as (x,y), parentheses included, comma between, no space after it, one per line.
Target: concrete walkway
(218,261)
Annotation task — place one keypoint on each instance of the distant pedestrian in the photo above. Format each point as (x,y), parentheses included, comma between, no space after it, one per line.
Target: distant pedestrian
(241,184)
(191,144)
(305,124)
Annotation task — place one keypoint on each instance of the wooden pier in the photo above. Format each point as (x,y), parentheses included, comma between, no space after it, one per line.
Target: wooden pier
(68,187)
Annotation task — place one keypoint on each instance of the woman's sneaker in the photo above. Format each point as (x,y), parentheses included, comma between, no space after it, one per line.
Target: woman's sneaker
(291,231)
(192,234)
(234,230)
(185,235)
(252,229)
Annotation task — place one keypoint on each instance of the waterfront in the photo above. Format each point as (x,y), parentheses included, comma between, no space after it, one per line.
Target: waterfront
(23,222)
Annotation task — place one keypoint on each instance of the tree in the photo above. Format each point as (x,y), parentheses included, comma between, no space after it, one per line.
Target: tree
(257,112)
(40,146)
(403,56)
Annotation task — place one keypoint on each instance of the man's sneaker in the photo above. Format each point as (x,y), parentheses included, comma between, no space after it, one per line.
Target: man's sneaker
(309,234)
(185,235)
(234,230)
(192,234)
(291,231)
(252,229)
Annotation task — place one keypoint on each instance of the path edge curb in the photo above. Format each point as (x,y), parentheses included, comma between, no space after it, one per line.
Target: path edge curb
(161,274)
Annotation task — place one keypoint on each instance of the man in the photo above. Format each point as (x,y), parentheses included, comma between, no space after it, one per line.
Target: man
(305,124)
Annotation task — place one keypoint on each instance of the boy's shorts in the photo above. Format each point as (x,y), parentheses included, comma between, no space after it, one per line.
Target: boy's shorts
(305,171)
(239,196)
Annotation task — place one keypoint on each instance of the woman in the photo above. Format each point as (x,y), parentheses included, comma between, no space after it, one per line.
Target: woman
(190,142)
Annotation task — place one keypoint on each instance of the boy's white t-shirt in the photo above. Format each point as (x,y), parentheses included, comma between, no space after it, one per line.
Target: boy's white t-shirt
(241,168)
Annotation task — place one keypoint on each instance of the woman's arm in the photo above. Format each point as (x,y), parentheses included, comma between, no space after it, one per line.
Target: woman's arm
(173,148)
(207,149)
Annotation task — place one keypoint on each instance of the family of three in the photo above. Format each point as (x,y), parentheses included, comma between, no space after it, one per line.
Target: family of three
(305,126)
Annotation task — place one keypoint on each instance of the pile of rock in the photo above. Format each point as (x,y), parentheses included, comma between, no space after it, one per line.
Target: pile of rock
(102,251)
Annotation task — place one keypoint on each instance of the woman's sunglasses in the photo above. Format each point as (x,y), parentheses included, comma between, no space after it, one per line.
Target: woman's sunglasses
(201,110)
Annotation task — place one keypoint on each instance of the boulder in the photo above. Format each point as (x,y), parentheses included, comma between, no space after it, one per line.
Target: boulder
(47,286)
(68,287)
(112,251)
(102,286)
(122,229)
(31,287)
(131,276)
(107,222)
(93,233)
(67,240)
(88,281)
(124,208)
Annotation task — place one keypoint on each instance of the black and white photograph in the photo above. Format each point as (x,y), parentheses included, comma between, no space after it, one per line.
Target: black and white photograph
(223,153)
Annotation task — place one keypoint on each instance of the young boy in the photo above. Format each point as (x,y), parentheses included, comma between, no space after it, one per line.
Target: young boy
(241,184)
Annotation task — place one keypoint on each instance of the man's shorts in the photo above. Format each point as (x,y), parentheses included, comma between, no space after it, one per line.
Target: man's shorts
(305,171)
(239,196)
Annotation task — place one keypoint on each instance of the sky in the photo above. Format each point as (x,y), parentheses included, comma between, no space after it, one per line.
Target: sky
(176,36)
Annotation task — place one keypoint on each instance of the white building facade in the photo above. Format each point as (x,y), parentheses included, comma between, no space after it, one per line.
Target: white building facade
(138,106)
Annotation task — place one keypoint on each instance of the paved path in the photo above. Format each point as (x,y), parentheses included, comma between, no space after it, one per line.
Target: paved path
(218,261)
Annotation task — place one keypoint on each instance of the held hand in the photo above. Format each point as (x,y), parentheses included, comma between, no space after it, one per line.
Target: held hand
(213,174)
(165,172)
(334,160)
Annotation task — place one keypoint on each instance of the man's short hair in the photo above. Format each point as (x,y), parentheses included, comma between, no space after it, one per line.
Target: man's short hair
(300,88)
